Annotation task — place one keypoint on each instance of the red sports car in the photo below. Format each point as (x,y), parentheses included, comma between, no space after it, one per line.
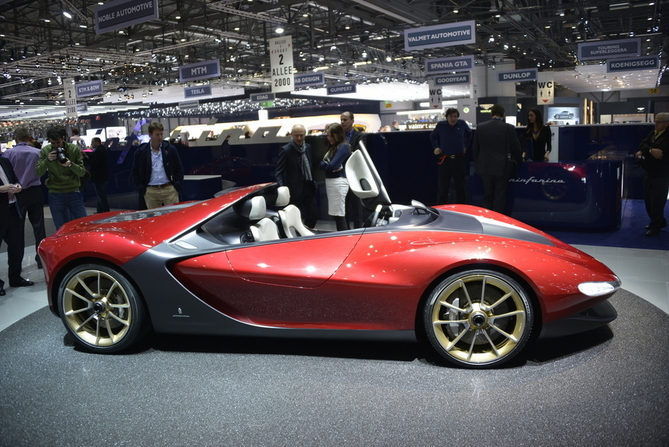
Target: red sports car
(476,285)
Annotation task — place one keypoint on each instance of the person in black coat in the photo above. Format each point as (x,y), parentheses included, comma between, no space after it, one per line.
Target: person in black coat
(654,150)
(11,225)
(158,187)
(98,163)
(294,170)
(537,137)
(494,142)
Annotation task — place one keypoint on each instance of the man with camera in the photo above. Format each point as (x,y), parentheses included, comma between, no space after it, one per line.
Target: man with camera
(64,163)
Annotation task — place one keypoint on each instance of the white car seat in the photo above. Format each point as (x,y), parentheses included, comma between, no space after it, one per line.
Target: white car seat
(291,221)
(264,230)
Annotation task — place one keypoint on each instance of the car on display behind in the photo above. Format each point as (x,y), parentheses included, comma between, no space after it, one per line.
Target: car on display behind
(564,115)
(477,286)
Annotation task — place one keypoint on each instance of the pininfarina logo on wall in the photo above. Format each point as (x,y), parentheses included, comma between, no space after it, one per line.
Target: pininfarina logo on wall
(200,70)
(122,13)
(440,35)
(89,89)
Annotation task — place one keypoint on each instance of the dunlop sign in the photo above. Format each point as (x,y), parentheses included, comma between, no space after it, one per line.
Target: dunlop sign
(200,70)
(635,63)
(440,35)
(89,89)
(609,49)
(449,64)
(518,75)
(460,78)
(122,13)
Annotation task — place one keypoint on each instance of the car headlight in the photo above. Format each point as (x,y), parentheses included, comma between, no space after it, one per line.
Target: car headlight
(598,288)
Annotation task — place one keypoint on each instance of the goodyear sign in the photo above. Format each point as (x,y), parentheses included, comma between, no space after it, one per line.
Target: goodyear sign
(460,78)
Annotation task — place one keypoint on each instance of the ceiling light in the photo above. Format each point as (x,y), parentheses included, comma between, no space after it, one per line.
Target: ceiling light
(279,30)
(67,14)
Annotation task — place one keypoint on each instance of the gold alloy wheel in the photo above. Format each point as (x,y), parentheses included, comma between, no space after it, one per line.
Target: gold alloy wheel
(478,319)
(99,307)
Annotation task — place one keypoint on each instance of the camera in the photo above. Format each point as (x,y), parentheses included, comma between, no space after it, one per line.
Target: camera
(60,155)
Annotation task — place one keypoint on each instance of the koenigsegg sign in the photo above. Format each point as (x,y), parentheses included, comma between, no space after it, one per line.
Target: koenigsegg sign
(123,13)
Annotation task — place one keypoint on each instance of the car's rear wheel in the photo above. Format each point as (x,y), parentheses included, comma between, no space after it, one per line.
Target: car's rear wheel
(478,318)
(101,308)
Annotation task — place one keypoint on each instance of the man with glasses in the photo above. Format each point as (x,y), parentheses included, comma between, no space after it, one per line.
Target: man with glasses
(654,149)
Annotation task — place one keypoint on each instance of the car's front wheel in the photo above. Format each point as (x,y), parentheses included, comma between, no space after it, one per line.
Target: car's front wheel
(101,308)
(478,319)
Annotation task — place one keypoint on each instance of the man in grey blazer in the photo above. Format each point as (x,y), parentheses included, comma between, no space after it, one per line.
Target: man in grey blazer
(494,140)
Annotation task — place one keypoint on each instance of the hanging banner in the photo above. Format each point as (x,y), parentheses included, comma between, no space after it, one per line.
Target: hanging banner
(634,63)
(281,62)
(303,80)
(436,100)
(529,74)
(341,89)
(545,88)
(89,89)
(200,70)
(196,92)
(609,49)
(445,35)
(189,105)
(70,98)
(261,97)
(123,13)
(460,78)
(449,64)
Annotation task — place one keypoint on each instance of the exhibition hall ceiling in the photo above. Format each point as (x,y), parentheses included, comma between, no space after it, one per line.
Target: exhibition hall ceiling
(43,42)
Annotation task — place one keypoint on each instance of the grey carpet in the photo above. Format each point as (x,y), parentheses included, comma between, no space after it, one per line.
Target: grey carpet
(609,387)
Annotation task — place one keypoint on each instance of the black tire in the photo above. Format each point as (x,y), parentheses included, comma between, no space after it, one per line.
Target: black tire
(478,319)
(101,309)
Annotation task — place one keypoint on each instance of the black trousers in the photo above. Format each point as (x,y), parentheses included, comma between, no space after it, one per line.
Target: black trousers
(12,234)
(306,202)
(494,192)
(101,192)
(456,169)
(655,190)
(31,206)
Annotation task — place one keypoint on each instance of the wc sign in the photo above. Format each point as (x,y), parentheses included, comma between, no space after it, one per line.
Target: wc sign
(435,95)
(545,88)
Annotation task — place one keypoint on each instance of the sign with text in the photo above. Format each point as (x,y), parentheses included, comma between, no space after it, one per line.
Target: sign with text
(545,88)
(609,49)
(200,70)
(82,107)
(460,78)
(281,62)
(260,97)
(633,63)
(440,35)
(187,105)
(89,89)
(529,74)
(70,98)
(123,13)
(436,100)
(341,89)
(449,64)
(304,80)
(196,92)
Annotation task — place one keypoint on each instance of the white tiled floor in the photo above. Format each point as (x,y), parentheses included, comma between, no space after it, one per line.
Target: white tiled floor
(643,272)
